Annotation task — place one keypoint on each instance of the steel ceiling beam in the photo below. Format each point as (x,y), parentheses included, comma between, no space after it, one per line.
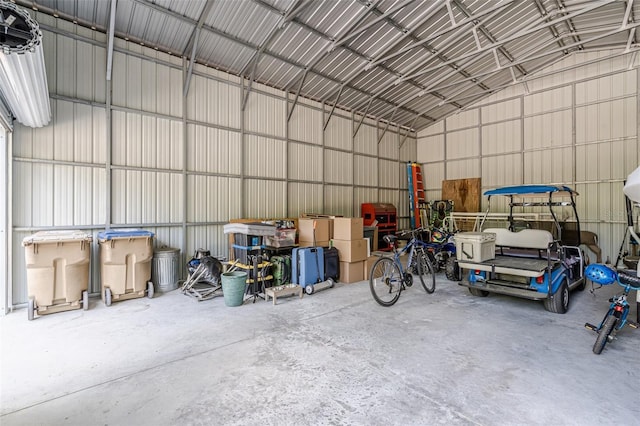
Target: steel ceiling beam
(455,37)
(380,18)
(112,30)
(195,36)
(518,34)
(287,17)
(532,57)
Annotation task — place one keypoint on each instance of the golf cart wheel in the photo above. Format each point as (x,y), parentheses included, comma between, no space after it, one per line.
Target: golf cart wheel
(150,290)
(31,307)
(452,270)
(559,303)
(604,333)
(478,292)
(107,296)
(85,300)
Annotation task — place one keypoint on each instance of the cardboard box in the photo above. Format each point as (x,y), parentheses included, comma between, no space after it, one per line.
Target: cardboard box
(371,232)
(351,272)
(351,251)
(305,229)
(311,244)
(348,228)
(368,264)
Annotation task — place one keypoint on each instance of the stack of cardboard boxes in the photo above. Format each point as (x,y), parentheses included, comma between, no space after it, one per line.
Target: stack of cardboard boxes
(352,247)
(322,231)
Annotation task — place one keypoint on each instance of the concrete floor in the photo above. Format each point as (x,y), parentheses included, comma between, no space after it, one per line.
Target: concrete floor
(335,357)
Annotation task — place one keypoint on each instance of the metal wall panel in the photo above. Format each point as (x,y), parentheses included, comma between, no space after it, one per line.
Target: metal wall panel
(430,148)
(607,87)
(366,141)
(435,128)
(264,198)
(434,175)
(264,157)
(338,133)
(463,144)
(306,125)
(363,195)
(612,160)
(463,169)
(388,146)
(210,237)
(408,149)
(463,120)
(548,100)
(388,174)
(502,170)
(607,120)
(212,150)
(399,199)
(501,111)
(304,198)
(141,197)
(338,200)
(365,171)
(548,130)
(338,167)
(214,102)
(548,166)
(266,115)
(213,198)
(305,162)
(501,137)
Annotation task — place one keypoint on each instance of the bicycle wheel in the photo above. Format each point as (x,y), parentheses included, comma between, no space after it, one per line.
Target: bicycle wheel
(425,271)
(385,281)
(603,334)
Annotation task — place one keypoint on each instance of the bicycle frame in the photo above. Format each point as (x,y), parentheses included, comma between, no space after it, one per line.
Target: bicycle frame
(619,307)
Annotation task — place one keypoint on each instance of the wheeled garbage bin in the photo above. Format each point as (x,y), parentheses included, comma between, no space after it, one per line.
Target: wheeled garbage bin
(125,264)
(57,271)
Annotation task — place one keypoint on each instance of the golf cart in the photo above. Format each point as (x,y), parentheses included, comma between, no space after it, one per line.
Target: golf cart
(537,259)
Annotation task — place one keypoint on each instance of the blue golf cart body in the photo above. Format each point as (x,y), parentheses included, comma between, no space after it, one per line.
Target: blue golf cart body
(537,260)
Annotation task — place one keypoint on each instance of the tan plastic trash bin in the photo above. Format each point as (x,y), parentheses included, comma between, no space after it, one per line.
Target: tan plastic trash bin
(57,271)
(125,264)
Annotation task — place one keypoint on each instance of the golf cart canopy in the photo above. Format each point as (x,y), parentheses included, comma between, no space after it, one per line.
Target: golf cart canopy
(531,190)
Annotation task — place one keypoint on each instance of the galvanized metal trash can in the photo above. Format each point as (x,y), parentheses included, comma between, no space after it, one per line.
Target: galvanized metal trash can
(165,271)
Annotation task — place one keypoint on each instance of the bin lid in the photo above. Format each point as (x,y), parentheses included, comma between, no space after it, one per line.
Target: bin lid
(110,234)
(56,236)
(166,252)
(474,236)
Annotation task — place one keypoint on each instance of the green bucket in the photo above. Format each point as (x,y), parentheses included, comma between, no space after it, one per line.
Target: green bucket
(233,284)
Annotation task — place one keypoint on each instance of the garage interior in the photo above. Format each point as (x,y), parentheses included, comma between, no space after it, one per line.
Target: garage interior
(179,117)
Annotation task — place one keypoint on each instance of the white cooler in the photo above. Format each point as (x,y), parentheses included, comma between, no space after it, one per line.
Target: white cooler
(475,246)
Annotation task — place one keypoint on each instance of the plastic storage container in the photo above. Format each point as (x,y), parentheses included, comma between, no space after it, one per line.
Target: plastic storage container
(125,264)
(57,271)
(475,246)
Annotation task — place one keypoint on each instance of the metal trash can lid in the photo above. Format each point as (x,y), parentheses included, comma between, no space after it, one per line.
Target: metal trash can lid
(166,252)
(111,234)
(56,236)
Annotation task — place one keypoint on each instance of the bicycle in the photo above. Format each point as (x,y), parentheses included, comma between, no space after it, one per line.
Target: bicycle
(388,278)
(616,316)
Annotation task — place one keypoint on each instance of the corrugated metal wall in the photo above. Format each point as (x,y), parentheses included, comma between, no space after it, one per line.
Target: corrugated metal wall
(577,126)
(183,167)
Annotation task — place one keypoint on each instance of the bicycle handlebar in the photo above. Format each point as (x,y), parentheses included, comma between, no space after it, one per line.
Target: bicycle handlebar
(629,277)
